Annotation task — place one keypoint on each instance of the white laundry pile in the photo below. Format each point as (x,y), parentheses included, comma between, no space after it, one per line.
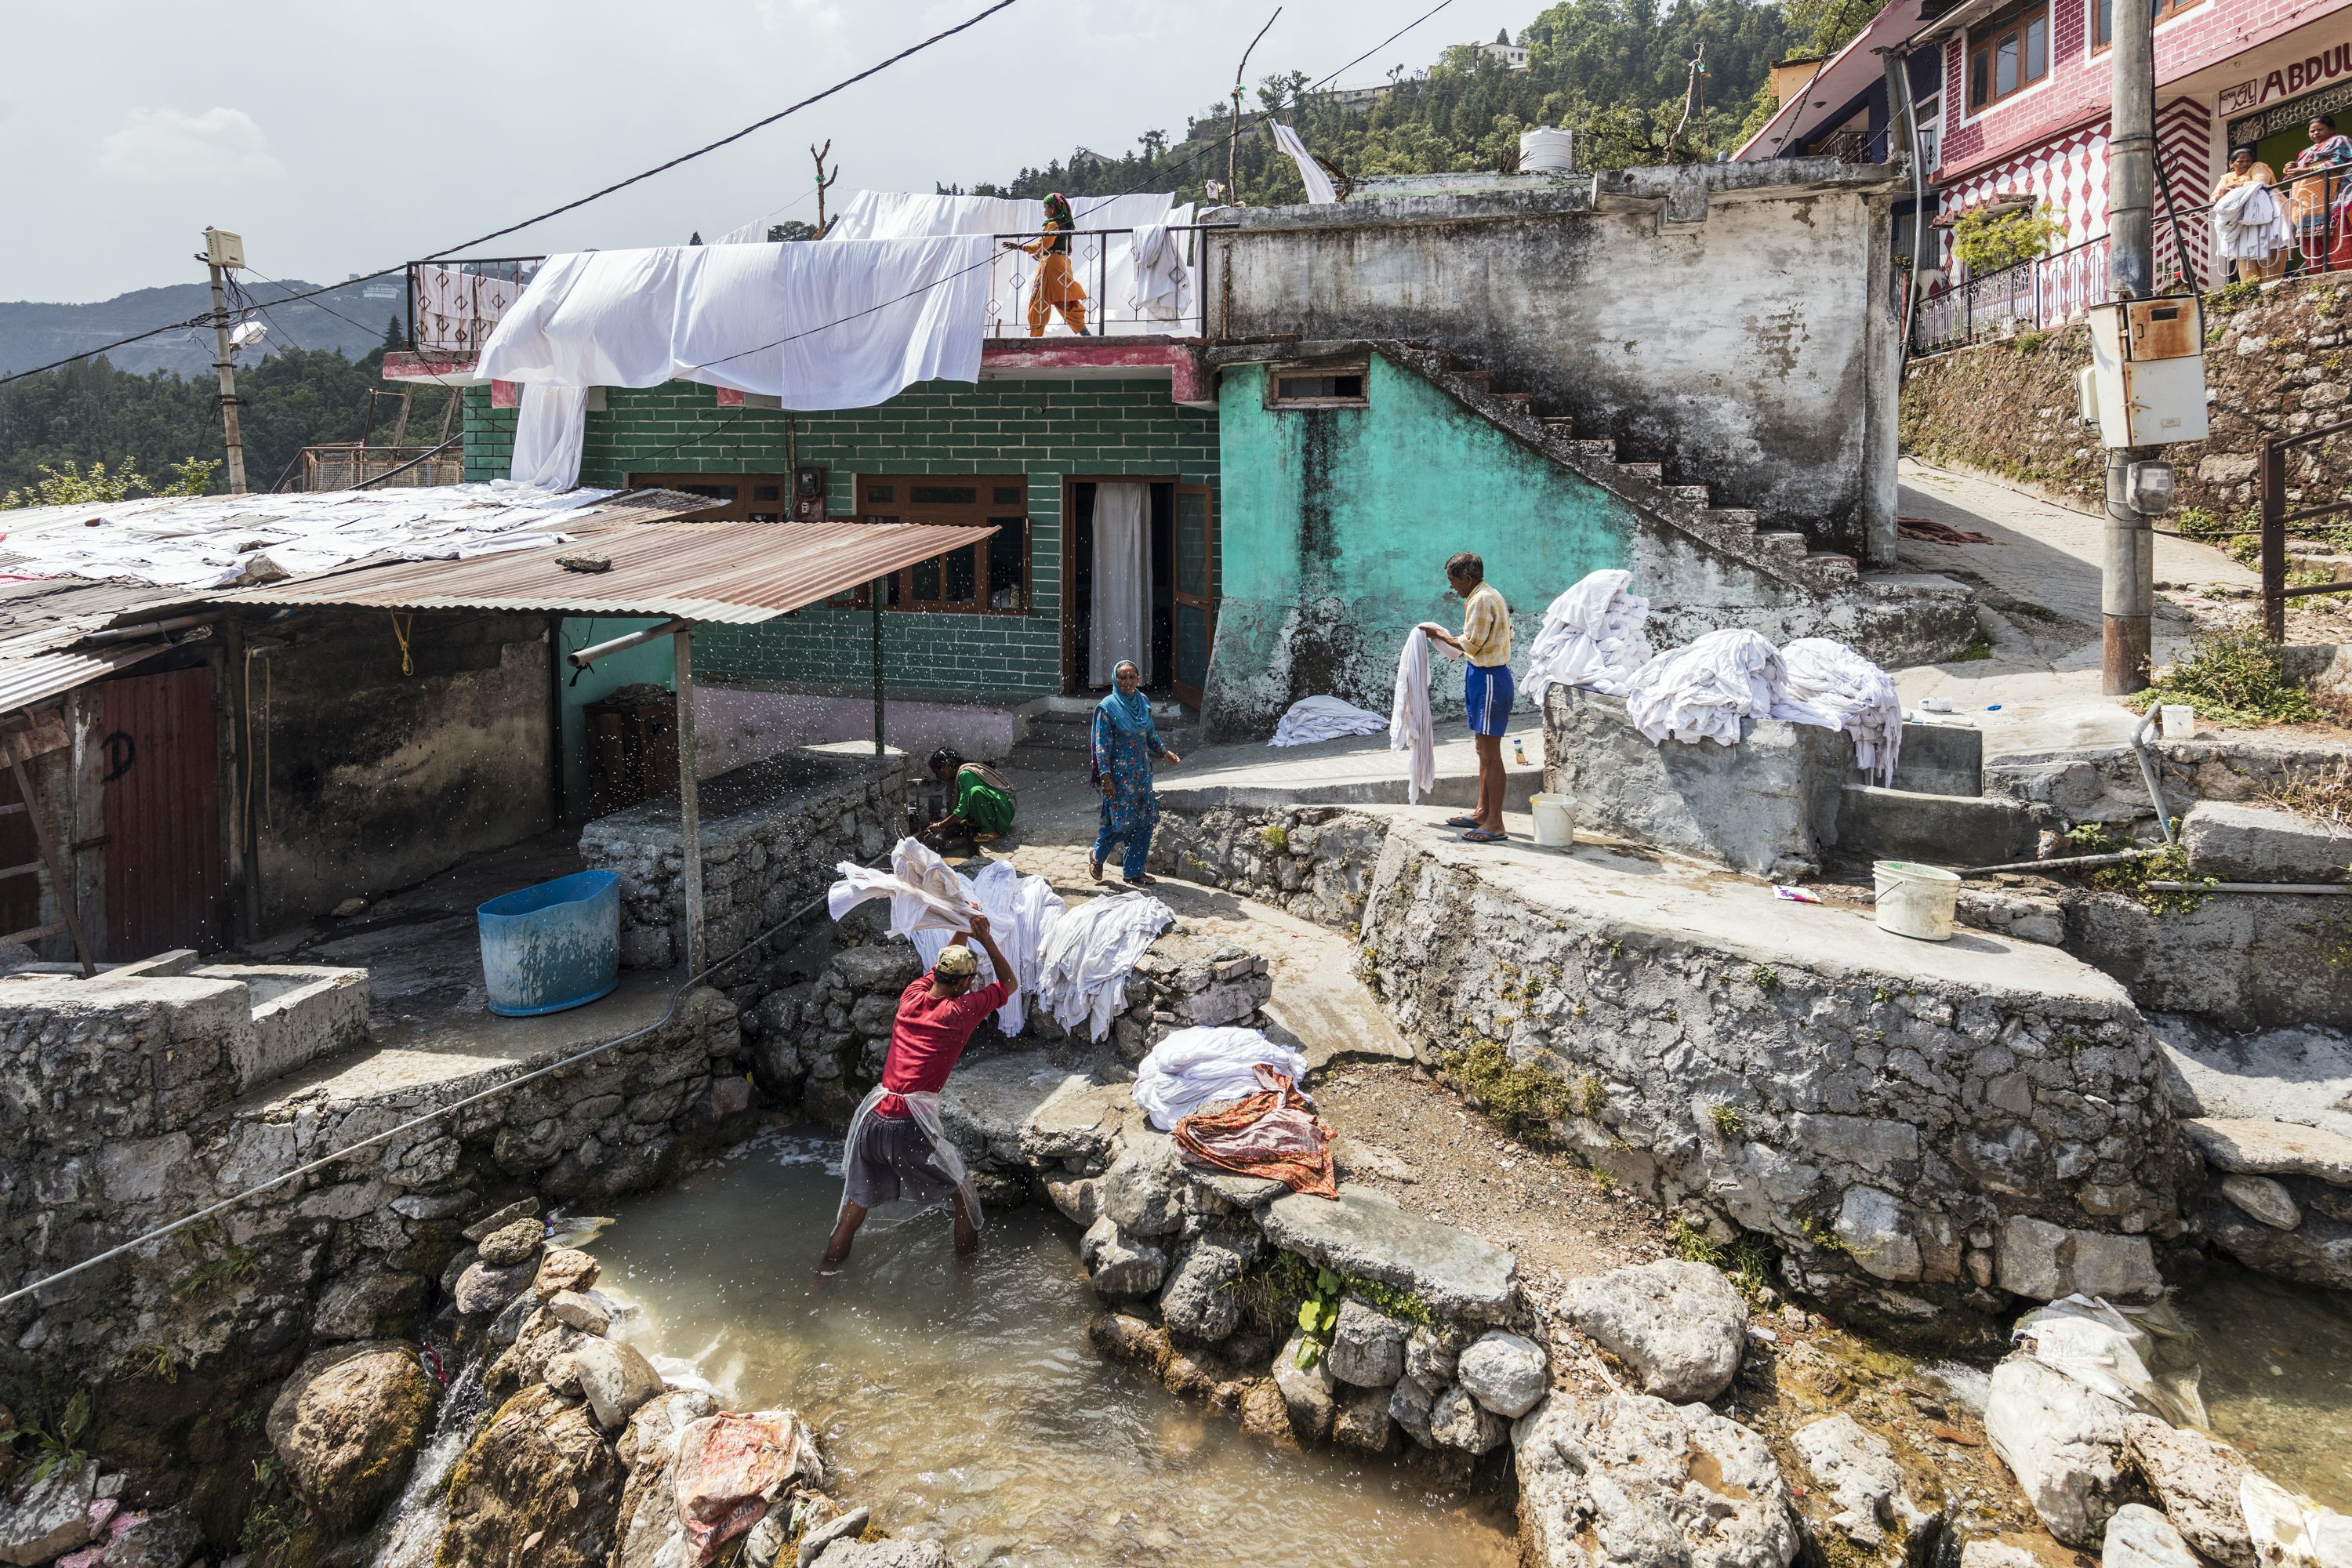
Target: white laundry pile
(845,324)
(1828,684)
(1593,636)
(924,890)
(215,541)
(1410,728)
(1196,1066)
(1319,189)
(1701,692)
(1313,718)
(2250,224)
(1087,955)
(1020,911)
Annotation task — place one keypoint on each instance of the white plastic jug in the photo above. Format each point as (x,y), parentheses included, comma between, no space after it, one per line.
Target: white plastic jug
(1915,900)
(1554,817)
(2179,721)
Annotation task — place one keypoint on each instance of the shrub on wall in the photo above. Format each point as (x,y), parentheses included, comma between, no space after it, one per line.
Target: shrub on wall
(1986,242)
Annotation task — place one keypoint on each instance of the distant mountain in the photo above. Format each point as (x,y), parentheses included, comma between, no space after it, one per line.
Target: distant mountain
(349,320)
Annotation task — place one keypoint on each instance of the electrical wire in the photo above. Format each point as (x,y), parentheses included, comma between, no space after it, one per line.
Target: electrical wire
(844,84)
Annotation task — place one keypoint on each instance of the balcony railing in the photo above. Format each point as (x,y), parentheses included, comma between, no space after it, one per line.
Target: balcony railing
(342,465)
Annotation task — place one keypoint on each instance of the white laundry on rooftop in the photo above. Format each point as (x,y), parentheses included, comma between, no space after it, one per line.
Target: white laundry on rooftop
(1313,718)
(216,541)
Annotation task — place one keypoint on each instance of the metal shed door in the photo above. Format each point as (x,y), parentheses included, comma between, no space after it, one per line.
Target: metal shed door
(1196,591)
(164,874)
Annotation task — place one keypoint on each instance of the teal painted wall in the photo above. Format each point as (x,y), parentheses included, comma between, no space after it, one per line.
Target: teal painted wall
(1043,430)
(647,664)
(1335,527)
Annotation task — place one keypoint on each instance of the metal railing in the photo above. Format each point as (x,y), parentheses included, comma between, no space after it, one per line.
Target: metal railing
(2051,290)
(344,465)
(2276,516)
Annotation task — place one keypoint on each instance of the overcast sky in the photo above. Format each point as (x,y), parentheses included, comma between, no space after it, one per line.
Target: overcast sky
(342,138)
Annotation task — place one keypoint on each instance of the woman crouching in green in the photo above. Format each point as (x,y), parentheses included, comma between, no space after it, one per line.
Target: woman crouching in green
(981,802)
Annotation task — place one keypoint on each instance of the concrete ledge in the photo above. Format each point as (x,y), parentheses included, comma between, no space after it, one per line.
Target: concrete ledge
(2262,844)
(1941,758)
(1941,829)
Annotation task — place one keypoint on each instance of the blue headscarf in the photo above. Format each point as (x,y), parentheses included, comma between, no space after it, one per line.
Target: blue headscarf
(1130,712)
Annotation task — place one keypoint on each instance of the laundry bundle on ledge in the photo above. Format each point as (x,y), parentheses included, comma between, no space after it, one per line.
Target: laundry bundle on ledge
(1703,691)
(1828,684)
(1313,718)
(1593,637)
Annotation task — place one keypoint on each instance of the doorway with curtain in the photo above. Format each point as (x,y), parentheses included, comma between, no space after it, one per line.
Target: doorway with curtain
(1117,587)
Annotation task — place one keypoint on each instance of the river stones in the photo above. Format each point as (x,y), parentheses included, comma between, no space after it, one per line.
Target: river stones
(2064,1443)
(485,1290)
(564,1268)
(616,1378)
(1311,1392)
(1367,1346)
(1199,1299)
(511,1244)
(1145,1187)
(1362,1421)
(1118,1264)
(1628,1480)
(1677,1326)
(344,1425)
(50,1516)
(883,1554)
(1506,1373)
(2139,1536)
(580,1311)
(1856,1468)
(539,1484)
(500,1219)
(2196,1477)
(1459,1421)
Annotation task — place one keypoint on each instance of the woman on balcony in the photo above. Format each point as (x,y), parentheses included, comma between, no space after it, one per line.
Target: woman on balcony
(1057,290)
(2250,222)
(2319,189)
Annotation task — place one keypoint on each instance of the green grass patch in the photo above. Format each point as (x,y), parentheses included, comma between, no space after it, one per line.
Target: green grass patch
(1527,1101)
(2232,676)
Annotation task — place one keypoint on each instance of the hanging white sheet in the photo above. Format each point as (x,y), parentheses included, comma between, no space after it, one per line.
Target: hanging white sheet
(1827,683)
(1020,910)
(1410,729)
(550,430)
(1592,638)
(1313,718)
(908,215)
(1193,1068)
(1163,282)
(1089,953)
(1320,190)
(1122,627)
(846,325)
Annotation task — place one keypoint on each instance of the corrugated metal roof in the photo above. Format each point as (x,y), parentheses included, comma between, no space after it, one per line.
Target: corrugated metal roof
(728,572)
(27,680)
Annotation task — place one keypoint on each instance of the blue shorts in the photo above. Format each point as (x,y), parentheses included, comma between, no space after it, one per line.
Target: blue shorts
(1487,697)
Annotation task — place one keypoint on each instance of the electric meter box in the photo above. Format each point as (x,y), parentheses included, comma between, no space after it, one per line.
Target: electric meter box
(2147,369)
(223,248)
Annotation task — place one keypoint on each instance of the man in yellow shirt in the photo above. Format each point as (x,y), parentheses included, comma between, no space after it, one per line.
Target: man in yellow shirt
(1487,689)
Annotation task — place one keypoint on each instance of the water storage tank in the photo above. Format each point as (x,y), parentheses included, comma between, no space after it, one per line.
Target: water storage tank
(1545,151)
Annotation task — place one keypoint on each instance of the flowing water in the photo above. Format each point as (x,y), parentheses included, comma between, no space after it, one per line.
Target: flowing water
(2277,1361)
(963,1402)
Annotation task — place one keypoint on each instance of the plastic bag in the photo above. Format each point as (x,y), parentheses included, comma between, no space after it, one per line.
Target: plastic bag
(2099,1347)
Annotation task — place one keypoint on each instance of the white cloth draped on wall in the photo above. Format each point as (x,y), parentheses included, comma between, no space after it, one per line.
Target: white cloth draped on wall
(1122,627)
(817,326)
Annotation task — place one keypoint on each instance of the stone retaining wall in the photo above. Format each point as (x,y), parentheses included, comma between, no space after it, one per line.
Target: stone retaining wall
(1311,862)
(772,834)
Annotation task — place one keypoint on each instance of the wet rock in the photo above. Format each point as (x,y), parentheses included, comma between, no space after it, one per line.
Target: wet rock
(891,1554)
(1265,1415)
(368,1304)
(2196,1477)
(1144,1189)
(1311,1392)
(1362,1422)
(1131,1340)
(166,1539)
(2044,1262)
(1199,1299)
(541,1338)
(1410,1403)
(1367,1346)
(564,1268)
(1628,1480)
(539,1484)
(886,966)
(1366,1233)
(511,1244)
(1117,1264)
(572,1307)
(1856,1467)
(500,1219)
(616,1378)
(1678,1327)
(2139,1536)
(1078,1197)
(813,1544)
(42,1519)
(1506,1373)
(345,1425)
(2064,1443)
(1458,1421)
(485,1289)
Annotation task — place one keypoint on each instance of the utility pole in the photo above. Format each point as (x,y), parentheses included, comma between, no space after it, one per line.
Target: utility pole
(824,182)
(1233,132)
(2127,574)
(223,251)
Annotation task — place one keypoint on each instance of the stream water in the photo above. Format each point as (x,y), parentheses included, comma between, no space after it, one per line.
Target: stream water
(2277,1360)
(963,1401)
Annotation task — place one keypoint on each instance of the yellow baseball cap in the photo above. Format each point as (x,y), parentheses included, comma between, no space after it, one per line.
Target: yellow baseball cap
(957,961)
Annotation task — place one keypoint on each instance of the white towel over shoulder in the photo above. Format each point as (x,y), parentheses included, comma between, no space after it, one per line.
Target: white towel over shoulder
(1703,691)
(1593,636)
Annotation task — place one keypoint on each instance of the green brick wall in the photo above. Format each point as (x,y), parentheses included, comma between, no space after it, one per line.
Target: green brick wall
(1043,430)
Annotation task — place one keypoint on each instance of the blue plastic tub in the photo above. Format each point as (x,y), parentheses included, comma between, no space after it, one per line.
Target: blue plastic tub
(553,946)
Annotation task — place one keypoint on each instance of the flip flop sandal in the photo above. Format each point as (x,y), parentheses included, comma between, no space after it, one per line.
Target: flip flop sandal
(1461,822)
(1480,836)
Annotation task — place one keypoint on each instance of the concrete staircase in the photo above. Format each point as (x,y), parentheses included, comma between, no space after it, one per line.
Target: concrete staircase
(1784,556)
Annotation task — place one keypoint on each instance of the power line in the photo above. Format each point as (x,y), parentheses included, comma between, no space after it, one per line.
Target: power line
(762,124)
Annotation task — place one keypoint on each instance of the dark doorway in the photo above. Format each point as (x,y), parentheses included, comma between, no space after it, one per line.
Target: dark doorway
(162,813)
(1078,646)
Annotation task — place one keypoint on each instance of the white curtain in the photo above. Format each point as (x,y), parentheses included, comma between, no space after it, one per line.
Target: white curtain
(1123,607)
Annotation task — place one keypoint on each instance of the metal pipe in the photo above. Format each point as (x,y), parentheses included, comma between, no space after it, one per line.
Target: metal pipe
(581,658)
(2147,772)
(2116,859)
(2338,887)
(150,629)
(689,796)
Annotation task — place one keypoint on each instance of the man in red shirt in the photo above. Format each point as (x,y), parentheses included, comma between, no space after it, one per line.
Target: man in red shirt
(892,1152)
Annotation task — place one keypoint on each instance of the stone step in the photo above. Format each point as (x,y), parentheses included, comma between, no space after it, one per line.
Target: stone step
(1941,829)
(1699,495)
(1650,471)
(1524,399)
(1739,519)
(1603,450)
(1789,547)
(1559,425)
(1834,567)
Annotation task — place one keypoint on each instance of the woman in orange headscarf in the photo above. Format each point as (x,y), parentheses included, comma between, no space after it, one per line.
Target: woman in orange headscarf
(1057,288)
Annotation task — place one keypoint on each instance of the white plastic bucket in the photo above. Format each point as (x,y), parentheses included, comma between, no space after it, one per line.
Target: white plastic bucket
(1545,151)
(2179,721)
(1554,817)
(1915,900)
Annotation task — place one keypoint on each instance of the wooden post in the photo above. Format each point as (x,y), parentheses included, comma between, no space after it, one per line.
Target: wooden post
(2273,537)
(60,884)
(689,803)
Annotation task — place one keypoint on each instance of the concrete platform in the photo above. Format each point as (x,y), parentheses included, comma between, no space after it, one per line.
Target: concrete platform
(1359,770)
